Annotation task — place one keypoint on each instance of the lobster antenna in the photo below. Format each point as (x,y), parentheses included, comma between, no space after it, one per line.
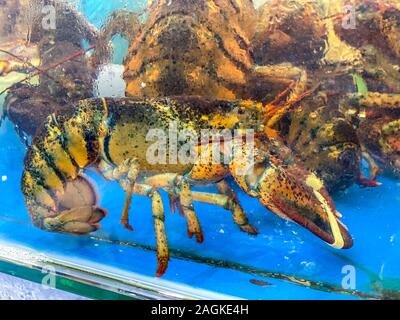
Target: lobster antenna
(52,66)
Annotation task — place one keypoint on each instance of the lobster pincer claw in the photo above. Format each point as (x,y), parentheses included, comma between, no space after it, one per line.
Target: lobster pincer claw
(297,195)
(304,199)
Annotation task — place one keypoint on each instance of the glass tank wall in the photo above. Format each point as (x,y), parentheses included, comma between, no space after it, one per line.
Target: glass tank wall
(307,92)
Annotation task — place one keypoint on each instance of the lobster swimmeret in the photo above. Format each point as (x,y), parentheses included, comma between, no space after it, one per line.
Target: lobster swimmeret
(110,135)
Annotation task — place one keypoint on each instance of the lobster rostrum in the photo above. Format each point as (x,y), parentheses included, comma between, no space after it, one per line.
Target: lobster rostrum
(110,135)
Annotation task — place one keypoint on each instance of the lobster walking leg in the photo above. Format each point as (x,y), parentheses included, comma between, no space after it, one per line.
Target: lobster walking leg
(227,203)
(186,205)
(239,216)
(126,174)
(184,197)
(161,237)
(181,195)
(375,100)
(159,225)
(374,170)
(184,201)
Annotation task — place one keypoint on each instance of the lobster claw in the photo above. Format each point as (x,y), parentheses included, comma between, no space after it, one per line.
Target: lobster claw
(303,199)
(298,195)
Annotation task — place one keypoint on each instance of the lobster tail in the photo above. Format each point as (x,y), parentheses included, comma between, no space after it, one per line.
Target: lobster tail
(58,199)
